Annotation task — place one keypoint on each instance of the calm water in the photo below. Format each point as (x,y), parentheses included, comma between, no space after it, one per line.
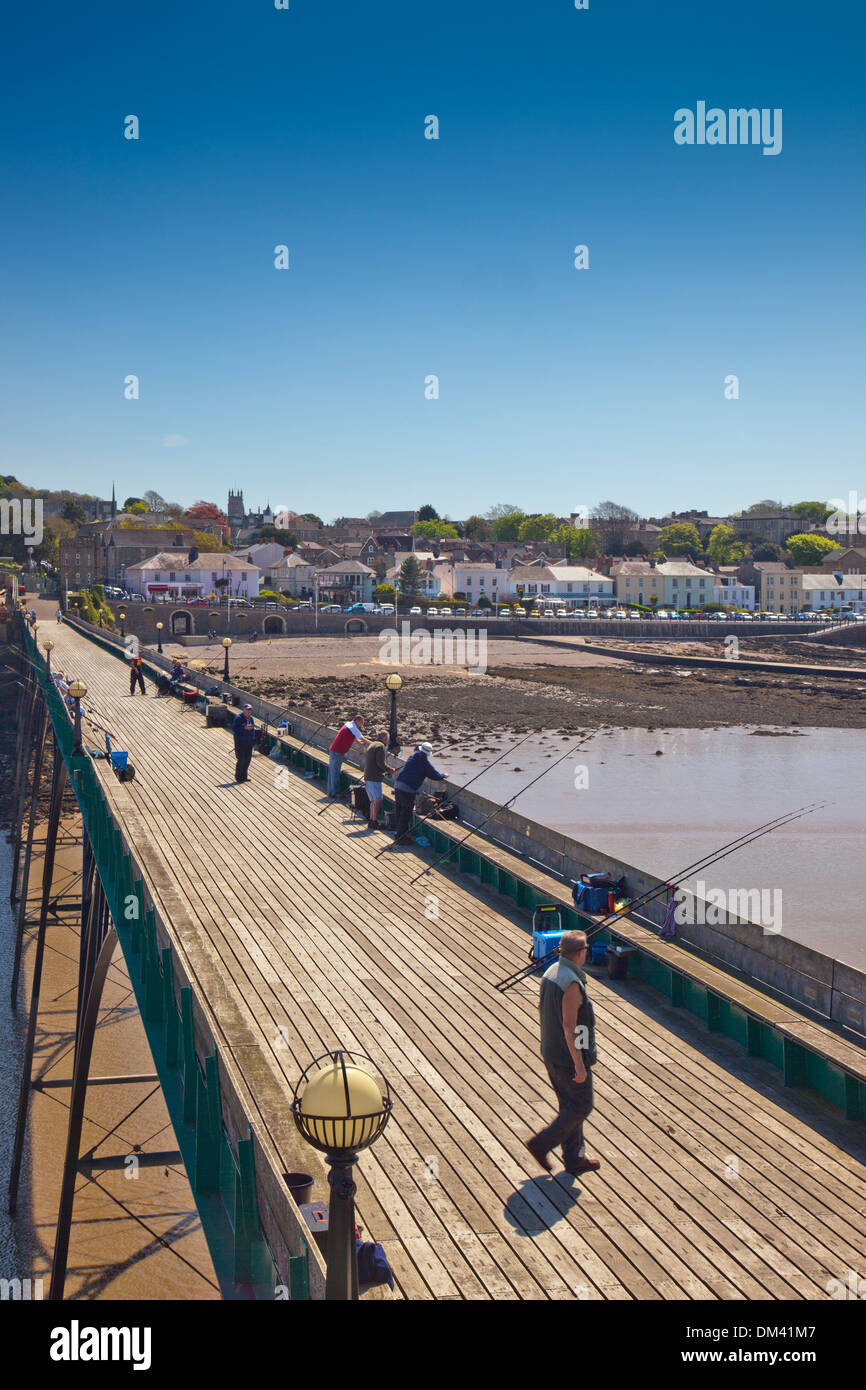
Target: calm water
(662,813)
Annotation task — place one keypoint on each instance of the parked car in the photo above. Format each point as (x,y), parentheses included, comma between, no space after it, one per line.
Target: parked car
(387,608)
(416,609)
(360,608)
(460,612)
(519,610)
(592,612)
(305,605)
(331,608)
(432,612)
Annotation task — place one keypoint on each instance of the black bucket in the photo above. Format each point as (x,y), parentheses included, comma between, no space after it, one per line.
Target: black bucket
(301,1186)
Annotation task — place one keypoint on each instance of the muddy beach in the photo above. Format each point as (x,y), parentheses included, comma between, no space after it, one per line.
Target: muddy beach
(530,686)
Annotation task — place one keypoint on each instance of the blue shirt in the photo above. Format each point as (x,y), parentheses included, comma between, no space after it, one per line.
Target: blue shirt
(244,730)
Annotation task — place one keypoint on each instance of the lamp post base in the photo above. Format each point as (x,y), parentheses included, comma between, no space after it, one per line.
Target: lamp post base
(341,1284)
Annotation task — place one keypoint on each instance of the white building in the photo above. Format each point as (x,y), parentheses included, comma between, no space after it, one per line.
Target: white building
(291,575)
(575,586)
(217,575)
(730,590)
(822,591)
(472,579)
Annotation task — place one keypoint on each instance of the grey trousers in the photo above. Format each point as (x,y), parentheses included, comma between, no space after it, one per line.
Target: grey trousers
(575,1103)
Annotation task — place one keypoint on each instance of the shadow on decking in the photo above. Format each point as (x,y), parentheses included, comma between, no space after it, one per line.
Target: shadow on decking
(540,1203)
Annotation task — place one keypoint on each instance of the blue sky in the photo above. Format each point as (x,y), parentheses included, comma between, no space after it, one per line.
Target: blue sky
(412,257)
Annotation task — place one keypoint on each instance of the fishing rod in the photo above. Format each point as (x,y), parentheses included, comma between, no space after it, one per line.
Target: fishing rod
(498,812)
(642,899)
(513,749)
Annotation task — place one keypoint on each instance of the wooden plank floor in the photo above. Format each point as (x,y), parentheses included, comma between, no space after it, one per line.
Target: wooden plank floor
(715,1183)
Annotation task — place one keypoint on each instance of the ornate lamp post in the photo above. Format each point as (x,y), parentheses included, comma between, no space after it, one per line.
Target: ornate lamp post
(227,641)
(393,683)
(159,638)
(122,617)
(49,648)
(340,1109)
(78,690)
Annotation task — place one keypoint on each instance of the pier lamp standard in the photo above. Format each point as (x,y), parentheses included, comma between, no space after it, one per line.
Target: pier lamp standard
(393,683)
(159,638)
(227,641)
(339,1109)
(49,648)
(122,617)
(78,690)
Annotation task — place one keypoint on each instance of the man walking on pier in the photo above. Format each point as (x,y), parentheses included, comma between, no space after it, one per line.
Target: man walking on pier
(136,676)
(568,1049)
(244,731)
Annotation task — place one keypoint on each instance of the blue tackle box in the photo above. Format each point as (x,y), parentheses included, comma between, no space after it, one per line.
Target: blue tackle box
(547,930)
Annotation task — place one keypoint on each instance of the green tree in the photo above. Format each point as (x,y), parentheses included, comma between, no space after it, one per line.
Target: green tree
(581,542)
(139,508)
(680,538)
(767,505)
(410,578)
(723,547)
(313,519)
(155,501)
(813,511)
(538,527)
(809,549)
(475,528)
(384,593)
(130,503)
(507,528)
(427,513)
(435,530)
(71,511)
(276,533)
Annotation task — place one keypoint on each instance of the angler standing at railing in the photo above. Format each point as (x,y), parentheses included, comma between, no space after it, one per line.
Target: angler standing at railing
(136,676)
(568,1049)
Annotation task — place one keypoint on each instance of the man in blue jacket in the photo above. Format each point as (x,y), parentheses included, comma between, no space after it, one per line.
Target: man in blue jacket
(407,786)
(244,731)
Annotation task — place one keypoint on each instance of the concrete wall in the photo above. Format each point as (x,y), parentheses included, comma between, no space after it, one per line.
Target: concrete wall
(142,619)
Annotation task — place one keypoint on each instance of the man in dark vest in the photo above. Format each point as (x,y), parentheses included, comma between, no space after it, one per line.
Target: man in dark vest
(568,1049)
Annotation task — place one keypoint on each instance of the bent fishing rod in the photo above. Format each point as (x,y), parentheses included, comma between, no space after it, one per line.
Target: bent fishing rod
(569,752)
(513,749)
(642,899)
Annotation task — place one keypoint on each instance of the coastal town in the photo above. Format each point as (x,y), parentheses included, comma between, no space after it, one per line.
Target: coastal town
(800,559)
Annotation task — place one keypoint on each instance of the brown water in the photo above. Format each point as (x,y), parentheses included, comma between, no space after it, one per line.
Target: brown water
(661,813)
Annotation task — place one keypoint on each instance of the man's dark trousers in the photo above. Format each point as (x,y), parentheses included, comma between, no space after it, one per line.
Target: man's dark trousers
(243,754)
(404,807)
(575,1103)
(136,678)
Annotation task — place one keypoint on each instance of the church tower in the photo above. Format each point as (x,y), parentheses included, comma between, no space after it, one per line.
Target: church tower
(235,512)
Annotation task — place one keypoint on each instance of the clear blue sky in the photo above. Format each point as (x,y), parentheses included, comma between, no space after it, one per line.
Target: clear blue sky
(411,257)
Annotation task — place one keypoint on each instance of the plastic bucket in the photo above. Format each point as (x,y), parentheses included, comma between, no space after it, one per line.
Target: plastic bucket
(119,760)
(301,1186)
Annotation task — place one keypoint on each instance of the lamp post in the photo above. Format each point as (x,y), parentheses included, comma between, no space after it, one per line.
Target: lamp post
(159,638)
(227,641)
(49,648)
(78,690)
(122,617)
(339,1110)
(393,683)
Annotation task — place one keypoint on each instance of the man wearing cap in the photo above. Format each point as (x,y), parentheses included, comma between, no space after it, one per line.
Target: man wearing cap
(407,786)
(244,730)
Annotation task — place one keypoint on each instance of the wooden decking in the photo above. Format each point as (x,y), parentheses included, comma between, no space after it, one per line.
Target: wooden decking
(715,1183)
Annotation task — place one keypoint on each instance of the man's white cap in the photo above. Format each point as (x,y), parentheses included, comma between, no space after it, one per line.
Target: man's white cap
(425,747)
